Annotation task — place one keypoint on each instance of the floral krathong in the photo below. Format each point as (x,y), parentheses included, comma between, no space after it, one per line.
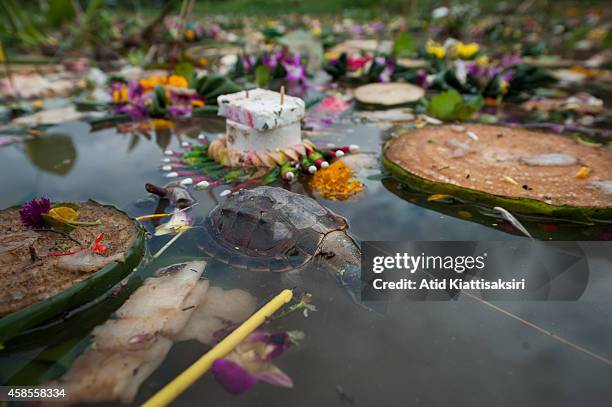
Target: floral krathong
(156,96)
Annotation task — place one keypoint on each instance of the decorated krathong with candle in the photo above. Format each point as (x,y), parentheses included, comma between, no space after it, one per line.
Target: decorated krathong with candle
(262,129)
(262,144)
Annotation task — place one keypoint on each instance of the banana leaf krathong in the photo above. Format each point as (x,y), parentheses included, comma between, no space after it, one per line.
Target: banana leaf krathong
(77,294)
(576,200)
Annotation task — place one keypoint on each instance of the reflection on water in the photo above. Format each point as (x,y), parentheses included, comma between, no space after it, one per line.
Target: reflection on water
(540,227)
(412,354)
(54,153)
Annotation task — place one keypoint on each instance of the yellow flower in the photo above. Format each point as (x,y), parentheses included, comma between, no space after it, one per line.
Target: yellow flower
(316,31)
(331,55)
(483,60)
(160,124)
(504,85)
(64,213)
(120,95)
(38,104)
(151,82)
(465,51)
(197,103)
(190,35)
(597,34)
(178,81)
(202,61)
(435,49)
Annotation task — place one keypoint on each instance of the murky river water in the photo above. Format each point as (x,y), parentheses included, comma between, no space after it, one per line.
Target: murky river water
(414,353)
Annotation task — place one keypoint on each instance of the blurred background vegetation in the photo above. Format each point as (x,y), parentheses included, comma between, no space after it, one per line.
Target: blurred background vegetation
(56,26)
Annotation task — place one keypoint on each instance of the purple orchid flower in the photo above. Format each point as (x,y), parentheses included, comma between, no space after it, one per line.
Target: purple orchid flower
(356,30)
(508,60)
(179,110)
(473,69)
(250,362)
(134,89)
(248,62)
(272,60)
(377,26)
(507,76)
(385,75)
(212,31)
(296,72)
(422,79)
(136,111)
(31,212)
(7,140)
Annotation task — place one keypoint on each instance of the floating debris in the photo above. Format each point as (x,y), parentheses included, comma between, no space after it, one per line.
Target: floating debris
(472,135)
(604,186)
(550,159)
(50,116)
(583,172)
(174,192)
(175,305)
(510,218)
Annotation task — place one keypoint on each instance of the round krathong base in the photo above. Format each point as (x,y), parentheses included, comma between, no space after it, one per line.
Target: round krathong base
(39,265)
(524,170)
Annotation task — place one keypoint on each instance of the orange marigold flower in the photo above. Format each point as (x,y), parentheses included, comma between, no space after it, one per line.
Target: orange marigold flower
(178,81)
(336,182)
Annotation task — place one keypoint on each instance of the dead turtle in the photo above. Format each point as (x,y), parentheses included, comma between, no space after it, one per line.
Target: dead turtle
(274,230)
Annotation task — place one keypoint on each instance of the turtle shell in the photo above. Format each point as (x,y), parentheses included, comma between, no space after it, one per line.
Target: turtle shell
(267,229)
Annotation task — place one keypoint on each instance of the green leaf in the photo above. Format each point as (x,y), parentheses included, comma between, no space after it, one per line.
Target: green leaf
(92,8)
(475,100)
(272,176)
(488,119)
(184,69)
(158,102)
(262,76)
(59,11)
(404,45)
(442,106)
(211,86)
(463,111)
(379,177)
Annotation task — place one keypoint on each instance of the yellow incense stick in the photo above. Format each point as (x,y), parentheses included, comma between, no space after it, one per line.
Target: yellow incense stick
(173,389)
(156,215)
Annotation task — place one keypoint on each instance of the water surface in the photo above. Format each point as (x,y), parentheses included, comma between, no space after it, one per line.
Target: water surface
(413,353)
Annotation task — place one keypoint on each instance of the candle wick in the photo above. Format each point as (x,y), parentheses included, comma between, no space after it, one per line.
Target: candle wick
(247,93)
